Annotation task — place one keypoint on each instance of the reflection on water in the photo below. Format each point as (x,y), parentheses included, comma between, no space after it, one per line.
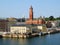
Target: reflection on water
(13,41)
(41,40)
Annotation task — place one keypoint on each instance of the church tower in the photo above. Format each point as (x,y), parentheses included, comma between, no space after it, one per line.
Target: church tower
(31,13)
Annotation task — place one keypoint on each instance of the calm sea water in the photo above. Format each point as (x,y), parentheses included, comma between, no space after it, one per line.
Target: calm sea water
(53,39)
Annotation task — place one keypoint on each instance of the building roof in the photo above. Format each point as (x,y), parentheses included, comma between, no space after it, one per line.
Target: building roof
(27,25)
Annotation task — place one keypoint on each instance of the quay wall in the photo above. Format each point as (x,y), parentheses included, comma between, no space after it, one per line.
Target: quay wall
(27,36)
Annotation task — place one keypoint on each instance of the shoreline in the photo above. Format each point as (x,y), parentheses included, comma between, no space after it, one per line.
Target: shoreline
(28,36)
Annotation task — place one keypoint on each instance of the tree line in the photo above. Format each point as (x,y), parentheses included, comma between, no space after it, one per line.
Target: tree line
(51,18)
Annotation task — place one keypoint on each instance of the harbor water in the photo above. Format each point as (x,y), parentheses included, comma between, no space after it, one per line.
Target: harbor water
(52,39)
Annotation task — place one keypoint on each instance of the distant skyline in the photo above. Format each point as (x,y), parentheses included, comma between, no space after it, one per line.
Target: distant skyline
(20,8)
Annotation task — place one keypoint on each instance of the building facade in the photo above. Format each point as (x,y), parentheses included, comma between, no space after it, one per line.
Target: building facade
(3,25)
(42,28)
(21,29)
(31,20)
(27,29)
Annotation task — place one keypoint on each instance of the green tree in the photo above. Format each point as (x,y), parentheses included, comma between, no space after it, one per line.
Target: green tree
(51,18)
(47,19)
(58,18)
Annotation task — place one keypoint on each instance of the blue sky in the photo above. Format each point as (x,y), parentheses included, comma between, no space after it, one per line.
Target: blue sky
(20,8)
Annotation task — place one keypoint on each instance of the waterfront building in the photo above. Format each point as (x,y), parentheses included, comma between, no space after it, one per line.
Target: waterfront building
(30,25)
(21,29)
(27,28)
(42,28)
(31,20)
(53,24)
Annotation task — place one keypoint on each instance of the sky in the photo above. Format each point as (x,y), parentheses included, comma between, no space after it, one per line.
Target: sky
(20,8)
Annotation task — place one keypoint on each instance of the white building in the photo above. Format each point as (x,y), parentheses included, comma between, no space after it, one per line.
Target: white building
(42,28)
(22,29)
(26,28)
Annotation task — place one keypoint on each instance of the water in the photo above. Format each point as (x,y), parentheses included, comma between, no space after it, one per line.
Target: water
(53,39)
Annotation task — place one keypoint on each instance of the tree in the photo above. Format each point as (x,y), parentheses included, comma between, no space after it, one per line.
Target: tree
(58,18)
(51,18)
(47,19)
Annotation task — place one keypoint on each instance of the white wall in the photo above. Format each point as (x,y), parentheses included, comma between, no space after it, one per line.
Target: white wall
(19,29)
(42,28)
(39,27)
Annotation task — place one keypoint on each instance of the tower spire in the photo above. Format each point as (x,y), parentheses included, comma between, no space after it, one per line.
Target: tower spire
(31,13)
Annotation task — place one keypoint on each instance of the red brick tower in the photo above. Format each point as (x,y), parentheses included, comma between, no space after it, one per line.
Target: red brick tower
(31,13)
